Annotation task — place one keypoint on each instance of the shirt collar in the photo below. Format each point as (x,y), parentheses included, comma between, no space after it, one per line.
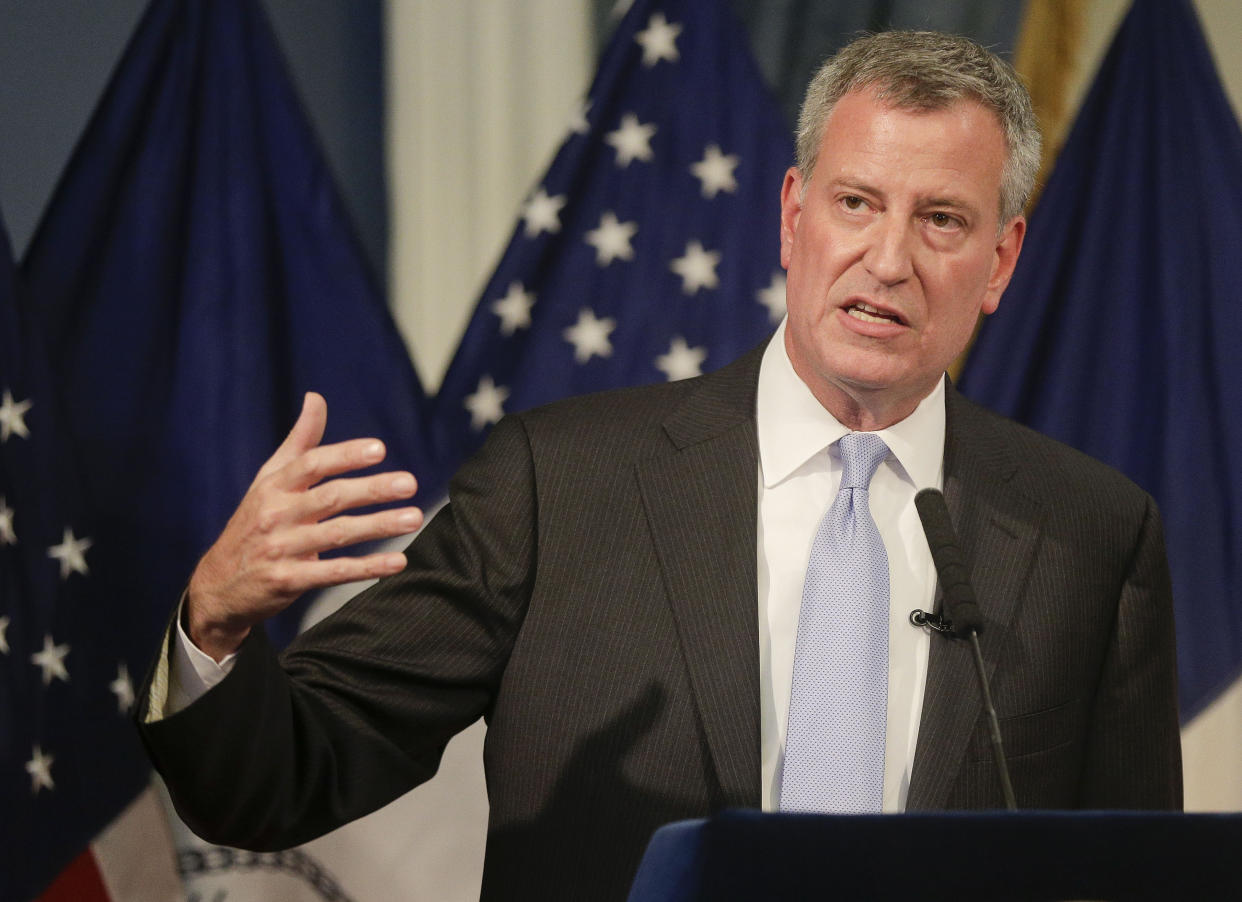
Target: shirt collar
(794,427)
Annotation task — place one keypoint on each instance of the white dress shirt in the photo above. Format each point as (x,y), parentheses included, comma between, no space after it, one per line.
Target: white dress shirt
(798,480)
(799,476)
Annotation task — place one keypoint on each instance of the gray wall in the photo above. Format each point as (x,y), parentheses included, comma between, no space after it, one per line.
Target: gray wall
(57,55)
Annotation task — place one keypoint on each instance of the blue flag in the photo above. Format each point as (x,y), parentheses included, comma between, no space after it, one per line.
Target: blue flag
(69,756)
(1120,332)
(650,249)
(196,274)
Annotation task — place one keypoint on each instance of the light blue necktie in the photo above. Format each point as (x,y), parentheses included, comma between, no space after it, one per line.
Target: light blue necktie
(838,706)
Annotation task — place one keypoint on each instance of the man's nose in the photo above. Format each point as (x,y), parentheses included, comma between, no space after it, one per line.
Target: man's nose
(888,255)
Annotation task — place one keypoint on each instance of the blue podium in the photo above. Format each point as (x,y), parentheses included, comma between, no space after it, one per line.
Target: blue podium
(951,856)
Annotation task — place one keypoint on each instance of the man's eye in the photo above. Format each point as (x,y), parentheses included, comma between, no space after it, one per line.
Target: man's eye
(853,202)
(941,220)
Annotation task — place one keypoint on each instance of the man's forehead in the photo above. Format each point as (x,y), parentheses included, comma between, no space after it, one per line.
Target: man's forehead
(955,148)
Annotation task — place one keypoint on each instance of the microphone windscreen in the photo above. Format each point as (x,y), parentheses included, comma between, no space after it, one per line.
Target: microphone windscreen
(959,596)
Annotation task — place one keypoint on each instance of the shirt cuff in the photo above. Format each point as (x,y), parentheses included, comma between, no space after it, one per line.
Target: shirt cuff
(185,674)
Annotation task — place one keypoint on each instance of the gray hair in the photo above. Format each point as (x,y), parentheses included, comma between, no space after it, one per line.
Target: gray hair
(926,70)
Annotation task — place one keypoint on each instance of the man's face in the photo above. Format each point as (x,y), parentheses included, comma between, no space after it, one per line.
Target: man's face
(893,252)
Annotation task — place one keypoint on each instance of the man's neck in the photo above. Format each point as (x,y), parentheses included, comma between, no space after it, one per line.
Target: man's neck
(868,411)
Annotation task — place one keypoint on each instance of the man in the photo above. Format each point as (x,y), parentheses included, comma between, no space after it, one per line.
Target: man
(618,582)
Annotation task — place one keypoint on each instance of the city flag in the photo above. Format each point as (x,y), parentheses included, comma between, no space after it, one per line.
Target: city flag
(1120,331)
(196,274)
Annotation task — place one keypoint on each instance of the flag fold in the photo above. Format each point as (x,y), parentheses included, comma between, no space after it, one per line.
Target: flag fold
(1120,331)
(196,273)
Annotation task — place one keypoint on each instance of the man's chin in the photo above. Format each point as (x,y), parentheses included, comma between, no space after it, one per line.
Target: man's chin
(872,373)
(880,388)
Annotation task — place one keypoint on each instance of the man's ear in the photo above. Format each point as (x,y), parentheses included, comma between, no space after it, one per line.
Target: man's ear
(791,210)
(1008,247)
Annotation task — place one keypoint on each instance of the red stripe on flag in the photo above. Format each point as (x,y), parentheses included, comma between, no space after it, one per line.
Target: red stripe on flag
(80,882)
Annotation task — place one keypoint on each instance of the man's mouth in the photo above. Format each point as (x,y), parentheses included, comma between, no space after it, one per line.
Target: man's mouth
(869,314)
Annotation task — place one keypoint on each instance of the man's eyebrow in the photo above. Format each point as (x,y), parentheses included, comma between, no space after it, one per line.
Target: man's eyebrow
(852,184)
(955,203)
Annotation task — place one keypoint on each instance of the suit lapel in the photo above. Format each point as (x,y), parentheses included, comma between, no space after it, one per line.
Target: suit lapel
(998,526)
(701,504)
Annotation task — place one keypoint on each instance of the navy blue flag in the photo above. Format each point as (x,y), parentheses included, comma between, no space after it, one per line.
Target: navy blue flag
(69,755)
(1121,330)
(650,248)
(196,274)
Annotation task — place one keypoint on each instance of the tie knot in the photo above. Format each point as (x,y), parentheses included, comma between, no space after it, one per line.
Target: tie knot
(861,454)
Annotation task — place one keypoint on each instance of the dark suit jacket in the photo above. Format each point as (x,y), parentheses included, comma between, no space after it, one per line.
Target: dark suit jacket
(591,591)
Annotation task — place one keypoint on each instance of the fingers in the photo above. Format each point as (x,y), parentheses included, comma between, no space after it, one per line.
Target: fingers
(317,464)
(306,433)
(302,541)
(337,495)
(295,579)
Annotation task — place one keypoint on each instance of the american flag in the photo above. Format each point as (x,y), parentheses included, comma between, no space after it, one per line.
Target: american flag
(72,773)
(650,248)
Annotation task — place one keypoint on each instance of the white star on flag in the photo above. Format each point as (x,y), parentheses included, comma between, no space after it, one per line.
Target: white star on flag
(40,769)
(697,268)
(123,688)
(486,405)
(589,335)
(632,140)
(773,297)
(579,124)
(51,661)
(514,309)
(611,239)
(643,237)
(715,171)
(12,417)
(681,361)
(542,213)
(7,535)
(71,552)
(659,40)
(4,639)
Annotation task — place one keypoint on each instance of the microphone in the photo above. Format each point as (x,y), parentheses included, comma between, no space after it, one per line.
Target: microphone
(962,618)
(960,607)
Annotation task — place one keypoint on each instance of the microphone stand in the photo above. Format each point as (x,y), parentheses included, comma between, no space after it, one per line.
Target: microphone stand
(998,751)
(964,619)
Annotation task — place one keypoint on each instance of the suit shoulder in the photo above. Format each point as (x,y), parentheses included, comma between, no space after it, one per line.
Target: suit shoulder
(595,432)
(652,415)
(1047,464)
(618,407)
(620,423)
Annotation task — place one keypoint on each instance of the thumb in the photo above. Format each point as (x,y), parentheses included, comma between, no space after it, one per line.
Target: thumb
(306,433)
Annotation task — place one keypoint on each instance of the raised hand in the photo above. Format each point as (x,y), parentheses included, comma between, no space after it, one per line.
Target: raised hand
(268,554)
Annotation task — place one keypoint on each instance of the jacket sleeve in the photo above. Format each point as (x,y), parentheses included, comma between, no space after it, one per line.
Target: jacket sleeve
(1133,754)
(359,708)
